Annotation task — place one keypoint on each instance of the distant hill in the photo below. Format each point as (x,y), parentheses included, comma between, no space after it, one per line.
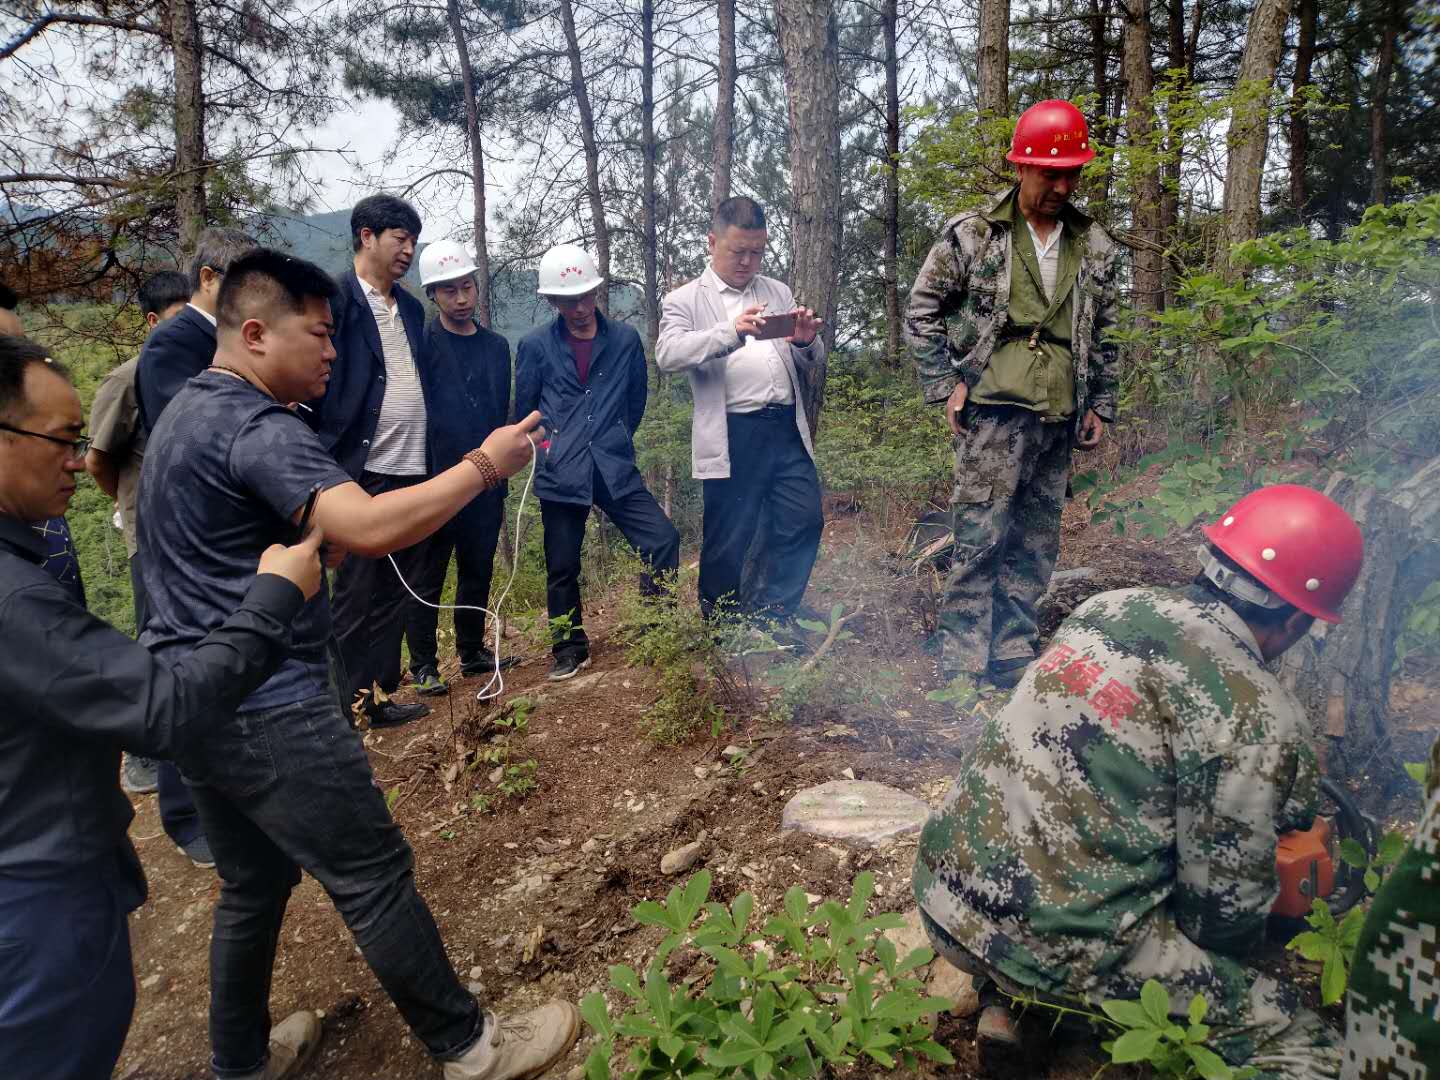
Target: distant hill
(324,239)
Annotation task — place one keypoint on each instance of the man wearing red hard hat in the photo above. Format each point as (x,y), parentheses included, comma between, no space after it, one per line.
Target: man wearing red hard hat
(1118,820)
(1006,322)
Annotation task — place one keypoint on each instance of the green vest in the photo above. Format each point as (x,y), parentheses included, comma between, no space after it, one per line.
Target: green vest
(1038,376)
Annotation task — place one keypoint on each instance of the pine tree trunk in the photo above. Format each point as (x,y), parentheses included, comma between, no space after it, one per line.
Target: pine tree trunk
(810,48)
(648,155)
(993,63)
(1299,119)
(1249,125)
(592,153)
(1100,78)
(1341,673)
(1379,98)
(890,17)
(190,208)
(724,137)
(1145,186)
(477,162)
(1179,59)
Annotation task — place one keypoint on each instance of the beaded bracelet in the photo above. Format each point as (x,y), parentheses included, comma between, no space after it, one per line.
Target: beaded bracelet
(481,461)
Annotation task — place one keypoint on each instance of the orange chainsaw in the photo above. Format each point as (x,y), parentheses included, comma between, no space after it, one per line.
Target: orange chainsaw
(1310,868)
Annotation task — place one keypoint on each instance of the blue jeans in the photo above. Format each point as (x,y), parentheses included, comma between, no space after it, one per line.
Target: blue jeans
(288,788)
(67,990)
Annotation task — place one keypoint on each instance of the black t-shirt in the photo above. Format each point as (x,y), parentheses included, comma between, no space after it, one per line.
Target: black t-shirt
(226,468)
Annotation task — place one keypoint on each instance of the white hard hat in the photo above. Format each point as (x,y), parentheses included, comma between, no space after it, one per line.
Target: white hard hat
(444,260)
(567,270)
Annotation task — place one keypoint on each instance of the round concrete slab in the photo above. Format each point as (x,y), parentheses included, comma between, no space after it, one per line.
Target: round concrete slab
(860,810)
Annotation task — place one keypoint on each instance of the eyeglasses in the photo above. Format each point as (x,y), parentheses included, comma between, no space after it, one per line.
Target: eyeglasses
(78,447)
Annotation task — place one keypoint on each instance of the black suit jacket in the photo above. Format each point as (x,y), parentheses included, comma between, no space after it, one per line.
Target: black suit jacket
(175,352)
(348,412)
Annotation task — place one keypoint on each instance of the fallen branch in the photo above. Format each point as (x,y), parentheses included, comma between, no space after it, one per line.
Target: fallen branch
(836,625)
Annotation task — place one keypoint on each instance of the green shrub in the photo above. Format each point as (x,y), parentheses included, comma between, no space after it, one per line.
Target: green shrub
(814,988)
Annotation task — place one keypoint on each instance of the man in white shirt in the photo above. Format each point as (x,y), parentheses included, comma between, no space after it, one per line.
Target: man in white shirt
(373,420)
(750,441)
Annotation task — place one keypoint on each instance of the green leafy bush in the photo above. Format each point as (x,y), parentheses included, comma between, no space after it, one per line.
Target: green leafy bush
(814,988)
(1331,944)
(1149,1035)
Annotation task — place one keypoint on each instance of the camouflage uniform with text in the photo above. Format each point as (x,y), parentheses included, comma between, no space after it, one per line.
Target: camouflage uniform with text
(1392,1016)
(1010,470)
(1118,819)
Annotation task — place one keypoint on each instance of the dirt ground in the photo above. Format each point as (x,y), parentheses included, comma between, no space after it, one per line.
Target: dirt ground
(533,897)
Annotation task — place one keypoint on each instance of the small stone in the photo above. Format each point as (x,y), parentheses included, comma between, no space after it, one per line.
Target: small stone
(701,772)
(497,774)
(150,981)
(848,774)
(949,982)
(589,845)
(475,987)
(682,858)
(477,972)
(733,752)
(909,937)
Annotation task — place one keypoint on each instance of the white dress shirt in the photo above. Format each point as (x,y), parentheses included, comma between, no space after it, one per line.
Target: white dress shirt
(755,376)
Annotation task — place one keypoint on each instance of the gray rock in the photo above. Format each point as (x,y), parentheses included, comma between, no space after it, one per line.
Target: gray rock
(948,981)
(1064,577)
(682,858)
(733,752)
(859,810)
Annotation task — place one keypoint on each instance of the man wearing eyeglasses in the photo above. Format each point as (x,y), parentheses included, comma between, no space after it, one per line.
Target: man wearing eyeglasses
(77,692)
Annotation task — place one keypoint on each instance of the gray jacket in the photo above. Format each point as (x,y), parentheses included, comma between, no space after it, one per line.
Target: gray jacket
(696,337)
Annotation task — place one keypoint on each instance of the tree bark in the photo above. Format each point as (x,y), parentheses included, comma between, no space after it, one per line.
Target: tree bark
(592,153)
(1249,125)
(648,155)
(1299,119)
(1180,59)
(810,49)
(724,137)
(1379,98)
(1145,187)
(477,162)
(1341,672)
(890,17)
(1100,77)
(190,208)
(992,59)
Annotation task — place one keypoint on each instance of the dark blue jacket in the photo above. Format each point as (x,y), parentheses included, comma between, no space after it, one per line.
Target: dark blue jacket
(467,393)
(175,352)
(592,426)
(346,416)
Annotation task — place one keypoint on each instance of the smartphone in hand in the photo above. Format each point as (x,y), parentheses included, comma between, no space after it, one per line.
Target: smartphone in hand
(306,514)
(776,326)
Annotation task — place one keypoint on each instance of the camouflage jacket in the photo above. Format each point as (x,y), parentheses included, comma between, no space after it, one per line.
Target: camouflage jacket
(1392,1016)
(966,282)
(1135,782)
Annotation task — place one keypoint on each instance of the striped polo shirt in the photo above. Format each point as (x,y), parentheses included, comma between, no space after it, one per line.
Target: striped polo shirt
(398,445)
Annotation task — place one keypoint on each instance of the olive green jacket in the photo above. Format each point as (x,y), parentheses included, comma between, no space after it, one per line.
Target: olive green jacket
(965,283)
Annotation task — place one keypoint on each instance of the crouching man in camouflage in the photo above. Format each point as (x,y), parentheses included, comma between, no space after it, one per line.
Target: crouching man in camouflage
(1392,1016)
(1117,821)
(1027,287)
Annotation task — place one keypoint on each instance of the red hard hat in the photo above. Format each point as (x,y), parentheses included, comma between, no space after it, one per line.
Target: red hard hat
(1052,134)
(1296,542)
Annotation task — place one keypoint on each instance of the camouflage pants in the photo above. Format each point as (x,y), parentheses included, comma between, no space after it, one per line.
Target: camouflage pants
(1392,1016)
(1253,1019)
(1010,474)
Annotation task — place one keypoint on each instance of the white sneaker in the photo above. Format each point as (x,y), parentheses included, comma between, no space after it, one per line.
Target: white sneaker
(519,1047)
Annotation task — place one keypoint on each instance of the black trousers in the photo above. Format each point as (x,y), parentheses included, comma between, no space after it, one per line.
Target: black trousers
(289,788)
(368,604)
(177,809)
(640,520)
(472,537)
(770,471)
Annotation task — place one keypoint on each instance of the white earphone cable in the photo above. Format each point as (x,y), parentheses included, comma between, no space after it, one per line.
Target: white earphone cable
(496,686)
